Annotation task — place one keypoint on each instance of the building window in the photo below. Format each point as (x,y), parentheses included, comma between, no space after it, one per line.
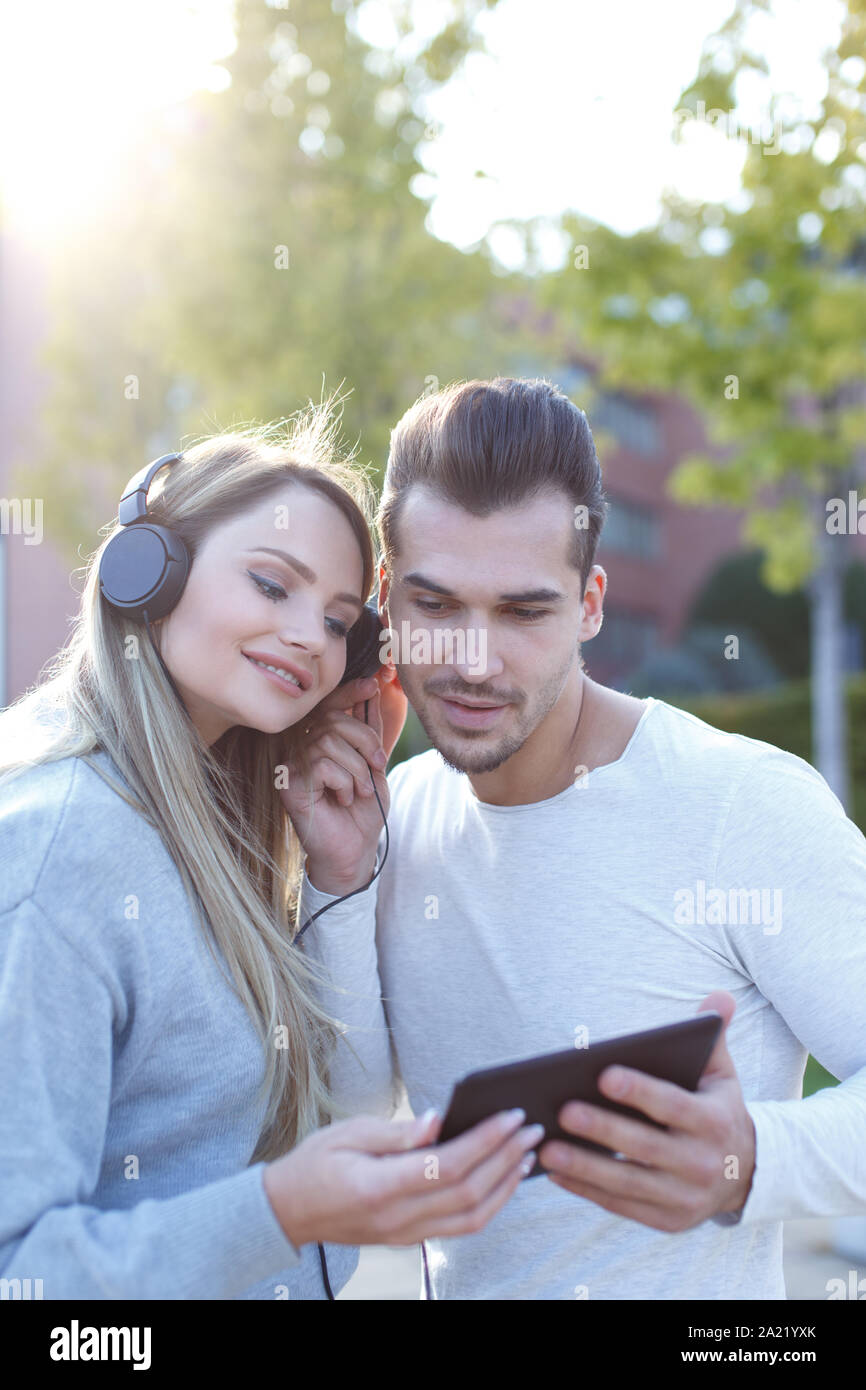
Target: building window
(630,530)
(632,425)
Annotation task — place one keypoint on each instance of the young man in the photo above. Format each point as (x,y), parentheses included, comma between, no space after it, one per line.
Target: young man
(569,863)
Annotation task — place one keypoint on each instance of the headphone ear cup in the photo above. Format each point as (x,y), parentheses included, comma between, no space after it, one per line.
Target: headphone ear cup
(144,567)
(363,644)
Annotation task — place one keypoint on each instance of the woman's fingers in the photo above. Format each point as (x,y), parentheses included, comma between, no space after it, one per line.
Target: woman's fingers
(395,708)
(333,777)
(348,695)
(467,1204)
(466,1223)
(445,1187)
(352,730)
(339,751)
(374,1135)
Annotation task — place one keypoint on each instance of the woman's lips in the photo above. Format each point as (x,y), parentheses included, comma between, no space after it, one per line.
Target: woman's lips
(285,685)
(475,717)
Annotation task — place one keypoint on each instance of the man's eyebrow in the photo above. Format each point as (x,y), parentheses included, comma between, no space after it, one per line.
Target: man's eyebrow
(420,581)
(304,571)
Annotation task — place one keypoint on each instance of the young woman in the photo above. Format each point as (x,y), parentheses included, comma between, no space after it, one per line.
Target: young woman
(167,1128)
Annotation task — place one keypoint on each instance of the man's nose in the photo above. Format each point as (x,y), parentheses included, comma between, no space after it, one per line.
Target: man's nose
(478,660)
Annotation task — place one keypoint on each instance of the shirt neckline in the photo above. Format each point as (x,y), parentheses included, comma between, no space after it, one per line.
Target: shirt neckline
(651,704)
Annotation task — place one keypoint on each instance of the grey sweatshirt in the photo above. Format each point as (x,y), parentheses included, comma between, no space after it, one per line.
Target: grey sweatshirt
(128,1069)
(698,860)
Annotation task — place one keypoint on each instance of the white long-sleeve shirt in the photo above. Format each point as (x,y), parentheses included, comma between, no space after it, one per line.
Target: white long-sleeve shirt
(499,932)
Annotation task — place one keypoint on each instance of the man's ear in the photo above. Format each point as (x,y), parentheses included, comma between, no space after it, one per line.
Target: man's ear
(592,602)
(383,587)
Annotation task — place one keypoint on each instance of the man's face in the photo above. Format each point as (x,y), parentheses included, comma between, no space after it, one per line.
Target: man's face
(508,577)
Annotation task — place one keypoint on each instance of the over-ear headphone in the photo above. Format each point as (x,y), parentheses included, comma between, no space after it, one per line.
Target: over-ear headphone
(144,567)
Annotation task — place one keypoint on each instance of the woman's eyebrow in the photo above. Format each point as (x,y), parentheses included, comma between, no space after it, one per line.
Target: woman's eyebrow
(420,581)
(303,570)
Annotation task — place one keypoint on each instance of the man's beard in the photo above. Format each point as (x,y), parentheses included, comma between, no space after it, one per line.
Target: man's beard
(459,755)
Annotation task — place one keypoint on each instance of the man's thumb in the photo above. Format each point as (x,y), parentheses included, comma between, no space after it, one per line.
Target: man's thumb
(720,1062)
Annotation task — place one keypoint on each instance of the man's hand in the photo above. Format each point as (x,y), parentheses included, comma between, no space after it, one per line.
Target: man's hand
(670,1180)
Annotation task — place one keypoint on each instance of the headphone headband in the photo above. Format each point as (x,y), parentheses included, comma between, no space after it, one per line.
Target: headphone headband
(144,567)
(133,504)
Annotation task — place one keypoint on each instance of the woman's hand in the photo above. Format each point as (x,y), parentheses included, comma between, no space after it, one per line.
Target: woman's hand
(333,808)
(354,1183)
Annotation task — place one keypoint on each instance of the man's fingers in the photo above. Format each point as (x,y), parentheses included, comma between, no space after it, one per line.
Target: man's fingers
(664,1101)
(720,1061)
(615,1176)
(623,1135)
(634,1211)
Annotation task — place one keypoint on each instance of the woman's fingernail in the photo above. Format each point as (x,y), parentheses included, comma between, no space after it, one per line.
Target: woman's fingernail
(380,758)
(428,1117)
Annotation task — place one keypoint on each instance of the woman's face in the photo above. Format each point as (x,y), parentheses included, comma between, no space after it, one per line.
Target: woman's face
(278,585)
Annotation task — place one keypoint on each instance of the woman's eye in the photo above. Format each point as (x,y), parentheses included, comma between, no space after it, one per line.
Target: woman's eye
(271,591)
(339,629)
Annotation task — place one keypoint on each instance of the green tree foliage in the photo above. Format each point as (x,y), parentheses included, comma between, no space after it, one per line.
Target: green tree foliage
(755,309)
(261,242)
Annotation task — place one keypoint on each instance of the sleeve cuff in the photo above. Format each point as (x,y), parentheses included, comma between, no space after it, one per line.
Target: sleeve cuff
(311,899)
(764,1202)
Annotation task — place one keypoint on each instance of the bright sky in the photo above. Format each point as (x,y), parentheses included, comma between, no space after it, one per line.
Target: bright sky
(570,108)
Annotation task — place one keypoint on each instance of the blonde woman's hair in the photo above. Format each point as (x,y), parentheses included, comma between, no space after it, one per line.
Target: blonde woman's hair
(216,809)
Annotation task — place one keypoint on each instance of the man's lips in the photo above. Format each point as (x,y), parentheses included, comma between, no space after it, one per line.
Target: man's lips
(471,714)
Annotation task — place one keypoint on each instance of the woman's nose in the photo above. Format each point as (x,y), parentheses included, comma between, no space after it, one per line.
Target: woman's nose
(305,630)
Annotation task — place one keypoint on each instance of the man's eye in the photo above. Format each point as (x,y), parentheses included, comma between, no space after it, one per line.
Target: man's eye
(429,605)
(271,591)
(527,615)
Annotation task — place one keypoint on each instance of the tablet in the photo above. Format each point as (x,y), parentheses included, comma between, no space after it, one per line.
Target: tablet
(541,1085)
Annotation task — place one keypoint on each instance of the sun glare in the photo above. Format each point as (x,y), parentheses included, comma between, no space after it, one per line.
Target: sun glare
(78,80)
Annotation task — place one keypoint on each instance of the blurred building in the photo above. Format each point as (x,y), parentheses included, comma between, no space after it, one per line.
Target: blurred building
(657,554)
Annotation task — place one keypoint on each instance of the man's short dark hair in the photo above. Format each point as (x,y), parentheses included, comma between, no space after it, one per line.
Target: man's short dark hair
(483,445)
